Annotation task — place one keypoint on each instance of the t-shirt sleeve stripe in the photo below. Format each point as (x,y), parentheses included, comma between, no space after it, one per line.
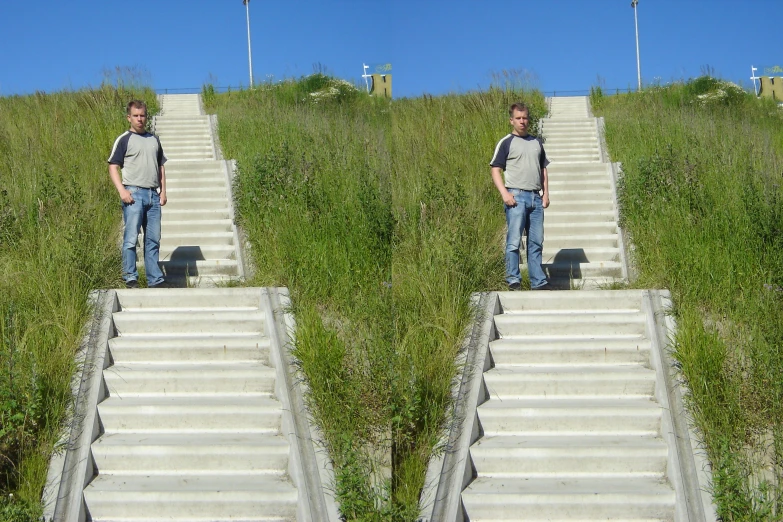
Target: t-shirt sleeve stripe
(501,153)
(544,161)
(117,156)
(161,157)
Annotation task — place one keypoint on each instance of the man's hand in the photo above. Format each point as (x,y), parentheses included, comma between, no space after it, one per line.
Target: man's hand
(545,200)
(163,199)
(508,199)
(126,196)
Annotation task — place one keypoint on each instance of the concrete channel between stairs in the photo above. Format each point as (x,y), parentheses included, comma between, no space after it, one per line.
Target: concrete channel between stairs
(73,467)
(451,470)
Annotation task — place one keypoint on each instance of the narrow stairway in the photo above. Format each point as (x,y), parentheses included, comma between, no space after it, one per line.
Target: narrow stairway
(582,240)
(565,409)
(571,428)
(192,423)
(199,241)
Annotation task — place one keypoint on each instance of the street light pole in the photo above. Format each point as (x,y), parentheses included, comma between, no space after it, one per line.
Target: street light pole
(638,63)
(249,52)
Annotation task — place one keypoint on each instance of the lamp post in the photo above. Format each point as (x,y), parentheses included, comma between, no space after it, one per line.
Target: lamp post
(636,24)
(249,52)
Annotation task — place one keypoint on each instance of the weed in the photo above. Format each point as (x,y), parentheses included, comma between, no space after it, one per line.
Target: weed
(703,210)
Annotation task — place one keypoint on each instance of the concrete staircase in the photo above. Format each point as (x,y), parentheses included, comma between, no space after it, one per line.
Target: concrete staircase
(582,240)
(191,424)
(571,427)
(188,410)
(199,241)
(567,407)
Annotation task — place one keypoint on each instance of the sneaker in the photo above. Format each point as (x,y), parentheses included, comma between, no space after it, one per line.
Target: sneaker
(515,286)
(545,286)
(164,284)
(131,284)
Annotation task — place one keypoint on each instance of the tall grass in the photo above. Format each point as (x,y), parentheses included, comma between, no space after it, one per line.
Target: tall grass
(381,218)
(59,224)
(447,244)
(702,200)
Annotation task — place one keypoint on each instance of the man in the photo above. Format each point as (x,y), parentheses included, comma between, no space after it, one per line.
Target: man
(521,160)
(142,189)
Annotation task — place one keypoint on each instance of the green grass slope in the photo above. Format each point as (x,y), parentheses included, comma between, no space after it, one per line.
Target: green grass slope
(59,224)
(702,202)
(382,219)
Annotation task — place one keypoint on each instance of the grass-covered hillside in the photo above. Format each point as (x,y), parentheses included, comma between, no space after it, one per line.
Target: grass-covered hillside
(702,200)
(59,224)
(381,218)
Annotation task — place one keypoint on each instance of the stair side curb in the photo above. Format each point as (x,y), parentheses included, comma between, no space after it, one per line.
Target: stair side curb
(449,470)
(693,481)
(71,470)
(310,469)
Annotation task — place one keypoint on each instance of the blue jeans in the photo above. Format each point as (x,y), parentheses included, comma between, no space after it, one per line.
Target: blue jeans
(527,215)
(143,213)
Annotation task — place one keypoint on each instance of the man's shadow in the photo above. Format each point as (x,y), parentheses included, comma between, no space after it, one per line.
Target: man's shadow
(182,264)
(566,266)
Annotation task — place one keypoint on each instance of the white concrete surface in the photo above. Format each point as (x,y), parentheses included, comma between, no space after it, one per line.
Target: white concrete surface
(199,241)
(192,428)
(570,429)
(582,242)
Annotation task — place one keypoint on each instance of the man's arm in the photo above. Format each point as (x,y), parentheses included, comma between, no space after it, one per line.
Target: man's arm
(162,181)
(114,173)
(497,178)
(545,184)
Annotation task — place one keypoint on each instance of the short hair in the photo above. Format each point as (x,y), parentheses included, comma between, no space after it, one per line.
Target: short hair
(519,106)
(135,104)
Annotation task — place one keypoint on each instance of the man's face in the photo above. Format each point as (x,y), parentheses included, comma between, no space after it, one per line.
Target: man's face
(519,120)
(138,120)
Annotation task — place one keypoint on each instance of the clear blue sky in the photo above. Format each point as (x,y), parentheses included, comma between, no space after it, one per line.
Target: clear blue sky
(434,46)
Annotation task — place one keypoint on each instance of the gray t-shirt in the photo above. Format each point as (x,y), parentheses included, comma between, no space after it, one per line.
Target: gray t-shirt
(139,156)
(522,158)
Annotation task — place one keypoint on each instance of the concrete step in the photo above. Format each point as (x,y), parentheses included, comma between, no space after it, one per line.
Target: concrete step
(537,457)
(564,381)
(576,256)
(584,282)
(584,241)
(188,148)
(194,241)
(200,203)
(184,214)
(181,120)
(578,195)
(628,349)
(164,300)
(198,252)
(577,205)
(201,225)
(566,498)
(591,167)
(197,183)
(197,193)
(189,321)
(187,349)
(579,270)
(152,453)
(198,413)
(564,228)
(570,322)
(634,416)
(619,300)
(573,156)
(198,267)
(200,497)
(145,379)
(559,216)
